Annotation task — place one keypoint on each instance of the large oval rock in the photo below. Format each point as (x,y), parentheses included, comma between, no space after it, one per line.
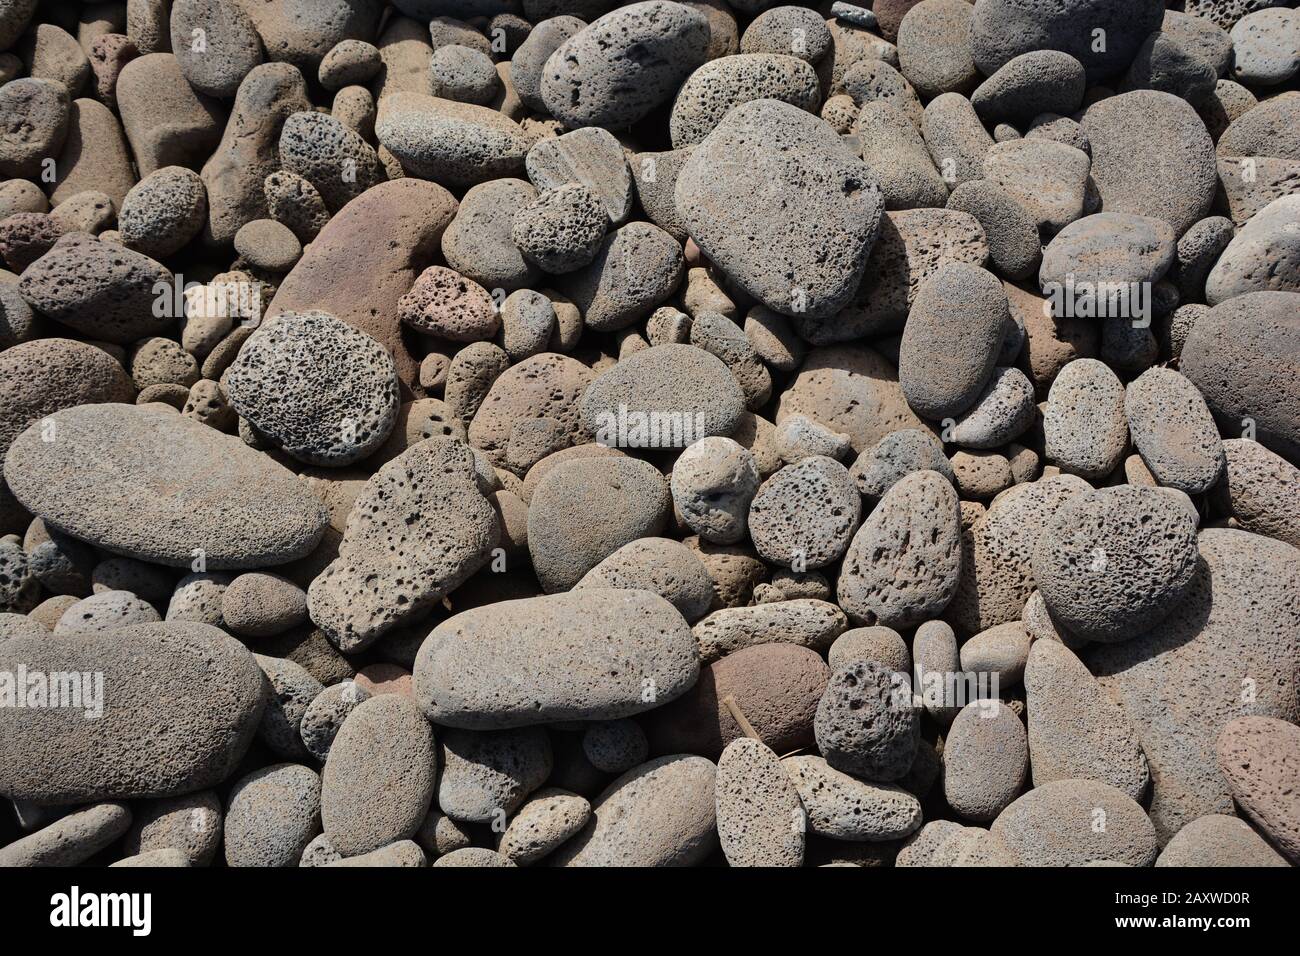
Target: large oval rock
(1075,730)
(1073,822)
(1231,640)
(661,813)
(323,391)
(1173,431)
(418,529)
(271,816)
(720,85)
(760,817)
(359,281)
(594,654)
(615,71)
(1085,429)
(985,760)
(776,686)
(163,488)
(456,143)
(544,386)
(779,203)
(904,564)
(1260,758)
(1263,257)
(378,780)
(1241,356)
(1114,562)
(175,707)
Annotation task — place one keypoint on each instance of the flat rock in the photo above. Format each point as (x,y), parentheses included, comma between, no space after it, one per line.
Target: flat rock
(580,656)
(206,490)
(845,808)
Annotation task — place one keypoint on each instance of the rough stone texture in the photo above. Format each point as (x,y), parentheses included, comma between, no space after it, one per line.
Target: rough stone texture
(71,840)
(549,818)
(1173,431)
(271,816)
(660,565)
(636,268)
(866,723)
(1053,825)
(1262,257)
(759,814)
(186,700)
(1260,491)
(479,242)
(985,760)
(804,621)
(805,514)
(1218,839)
(1260,759)
(1085,427)
(1181,682)
(846,808)
(537,660)
(905,563)
(486,774)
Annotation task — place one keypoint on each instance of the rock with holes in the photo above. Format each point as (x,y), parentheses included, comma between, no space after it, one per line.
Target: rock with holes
(760,816)
(804,515)
(842,807)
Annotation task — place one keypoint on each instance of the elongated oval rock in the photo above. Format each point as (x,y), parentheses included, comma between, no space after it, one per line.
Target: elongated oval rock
(177,705)
(457,143)
(781,205)
(658,814)
(846,808)
(905,562)
(1085,429)
(378,780)
(1075,730)
(206,490)
(615,71)
(593,654)
(1173,431)
(807,622)
(985,760)
(760,816)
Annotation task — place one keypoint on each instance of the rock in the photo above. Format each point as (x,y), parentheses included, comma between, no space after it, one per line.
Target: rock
(473,856)
(104,612)
(713,482)
(95,155)
(845,808)
(1218,839)
(164,733)
(1028,85)
(1048,178)
(301,32)
(1259,490)
(1261,257)
(894,457)
(1057,825)
(272,521)
(479,242)
(590,156)
(549,818)
(529,60)
(1004,29)
(1264,46)
(71,840)
(165,120)
(325,715)
(272,815)
(360,282)
(1085,426)
(660,565)
(460,144)
(881,645)
(1003,412)
(1011,231)
(776,686)
(249,151)
(934,47)
(1236,619)
(230,46)
(624,64)
(759,815)
(261,604)
(488,775)
(36,125)
(636,268)
(1000,652)
(805,514)
(866,723)
(985,760)
(163,211)
(790,30)
(191,824)
(379,778)
(720,85)
(1260,759)
(1151,156)
(267,244)
(1236,356)
(544,386)
(323,391)
(896,153)
(615,746)
(400,853)
(349,62)
(1173,431)
(904,564)
(463,74)
(419,528)
(1075,730)
(562,230)
(536,660)
(827,210)
(805,621)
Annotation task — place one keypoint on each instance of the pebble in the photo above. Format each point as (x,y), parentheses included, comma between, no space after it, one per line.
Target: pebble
(760,817)
(71,840)
(803,621)
(659,565)
(1161,403)
(1085,426)
(102,612)
(463,74)
(267,244)
(1218,839)
(562,230)
(271,816)
(866,724)
(586,635)
(1261,256)
(985,760)
(1259,490)
(1265,47)
(548,818)
(488,775)
(1001,652)
(615,746)
(1048,178)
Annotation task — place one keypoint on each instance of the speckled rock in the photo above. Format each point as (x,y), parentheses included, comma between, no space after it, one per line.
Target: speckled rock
(1011,231)
(803,621)
(102,612)
(829,211)
(230,44)
(488,775)
(1048,178)
(419,528)
(165,120)
(291,689)
(1075,730)
(624,64)
(760,817)
(1260,759)
(1000,651)
(615,746)
(1182,681)
(1260,490)
(549,818)
(463,74)
(1173,431)
(846,808)
(272,815)
(660,565)
(805,514)
(905,562)
(348,62)
(166,731)
(895,456)
(36,125)
(896,153)
(713,482)
(1085,427)
(882,645)
(191,824)
(1028,85)
(866,723)
(791,30)
(1218,839)
(468,672)
(260,604)
(1056,825)
(562,230)
(460,144)
(163,212)
(273,520)
(379,779)
(479,242)
(636,268)
(529,60)
(985,760)
(326,713)
(267,244)
(71,840)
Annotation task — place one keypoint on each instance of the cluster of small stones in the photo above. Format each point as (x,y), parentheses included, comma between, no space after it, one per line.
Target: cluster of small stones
(499,433)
